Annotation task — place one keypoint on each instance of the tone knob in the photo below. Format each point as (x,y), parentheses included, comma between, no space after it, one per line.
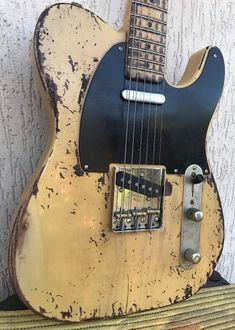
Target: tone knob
(192,256)
(194,214)
(197,178)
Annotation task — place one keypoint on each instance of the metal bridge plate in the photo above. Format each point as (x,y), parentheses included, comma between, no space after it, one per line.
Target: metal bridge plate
(138,197)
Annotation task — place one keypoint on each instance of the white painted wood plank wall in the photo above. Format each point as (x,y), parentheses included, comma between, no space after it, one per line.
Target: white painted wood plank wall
(193,24)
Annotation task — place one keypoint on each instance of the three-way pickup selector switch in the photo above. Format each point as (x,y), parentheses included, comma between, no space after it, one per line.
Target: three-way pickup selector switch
(194,214)
(197,178)
(192,256)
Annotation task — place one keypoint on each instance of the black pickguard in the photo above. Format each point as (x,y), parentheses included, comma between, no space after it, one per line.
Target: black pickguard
(179,126)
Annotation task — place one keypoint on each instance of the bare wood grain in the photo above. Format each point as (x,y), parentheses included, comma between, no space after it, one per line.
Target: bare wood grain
(192,25)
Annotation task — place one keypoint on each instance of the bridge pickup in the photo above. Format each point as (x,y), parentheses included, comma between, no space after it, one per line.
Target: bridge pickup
(138,184)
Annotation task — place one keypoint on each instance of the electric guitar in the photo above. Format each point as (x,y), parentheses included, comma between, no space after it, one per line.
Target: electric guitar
(122,214)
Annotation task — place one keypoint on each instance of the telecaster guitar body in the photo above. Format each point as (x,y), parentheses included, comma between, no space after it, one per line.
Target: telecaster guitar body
(66,260)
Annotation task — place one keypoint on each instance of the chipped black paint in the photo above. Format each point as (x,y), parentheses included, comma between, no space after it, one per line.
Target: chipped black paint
(100,183)
(75,4)
(42,310)
(66,315)
(74,65)
(61,175)
(40,56)
(96,20)
(176,299)
(101,180)
(94,241)
(35,188)
(187,292)
(85,80)
(77,168)
(54,98)
(210,181)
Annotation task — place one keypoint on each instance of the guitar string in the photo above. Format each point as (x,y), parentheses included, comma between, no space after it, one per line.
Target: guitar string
(154,142)
(128,106)
(135,107)
(141,129)
(165,3)
(147,146)
(154,139)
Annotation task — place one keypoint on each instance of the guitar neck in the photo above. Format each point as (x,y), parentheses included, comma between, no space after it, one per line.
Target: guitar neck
(147,40)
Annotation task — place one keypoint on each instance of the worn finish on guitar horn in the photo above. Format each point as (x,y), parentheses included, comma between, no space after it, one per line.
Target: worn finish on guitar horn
(65,261)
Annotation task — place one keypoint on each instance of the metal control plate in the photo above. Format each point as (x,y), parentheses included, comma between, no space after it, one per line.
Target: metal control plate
(190,232)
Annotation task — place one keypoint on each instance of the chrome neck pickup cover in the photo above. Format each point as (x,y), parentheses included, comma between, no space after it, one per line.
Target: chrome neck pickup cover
(143,97)
(138,198)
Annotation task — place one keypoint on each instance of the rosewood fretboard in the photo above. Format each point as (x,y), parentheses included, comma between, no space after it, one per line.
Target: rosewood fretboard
(147,40)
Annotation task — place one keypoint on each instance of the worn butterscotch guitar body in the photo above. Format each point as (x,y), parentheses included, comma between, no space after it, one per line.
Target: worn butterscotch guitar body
(122,214)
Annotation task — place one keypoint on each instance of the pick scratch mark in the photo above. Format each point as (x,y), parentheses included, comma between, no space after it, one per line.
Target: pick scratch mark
(92,240)
(179,206)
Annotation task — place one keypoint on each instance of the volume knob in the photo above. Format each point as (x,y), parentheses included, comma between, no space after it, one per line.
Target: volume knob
(194,214)
(192,256)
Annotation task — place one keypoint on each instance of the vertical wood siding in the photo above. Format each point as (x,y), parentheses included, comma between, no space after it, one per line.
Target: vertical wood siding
(193,24)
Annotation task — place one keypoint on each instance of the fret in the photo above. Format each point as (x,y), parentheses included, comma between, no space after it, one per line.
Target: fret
(149,37)
(152,57)
(142,50)
(148,41)
(148,47)
(146,76)
(147,30)
(137,68)
(153,13)
(155,20)
(145,64)
(147,61)
(152,26)
(149,5)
